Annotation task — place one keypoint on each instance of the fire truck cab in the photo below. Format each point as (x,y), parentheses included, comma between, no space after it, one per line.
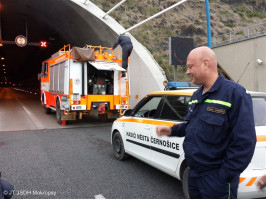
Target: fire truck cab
(84,81)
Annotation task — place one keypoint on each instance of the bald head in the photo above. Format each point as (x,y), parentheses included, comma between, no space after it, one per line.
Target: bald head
(204,53)
(202,66)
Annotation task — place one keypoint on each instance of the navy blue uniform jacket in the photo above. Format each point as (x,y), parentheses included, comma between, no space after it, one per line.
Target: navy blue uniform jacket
(219,130)
(124,42)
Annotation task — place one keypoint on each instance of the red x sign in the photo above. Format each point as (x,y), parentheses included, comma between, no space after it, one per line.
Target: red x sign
(43,44)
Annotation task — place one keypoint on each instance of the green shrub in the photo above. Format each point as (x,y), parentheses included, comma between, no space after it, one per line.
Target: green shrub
(230,25)
(256,14)
(224,12)
(240,33)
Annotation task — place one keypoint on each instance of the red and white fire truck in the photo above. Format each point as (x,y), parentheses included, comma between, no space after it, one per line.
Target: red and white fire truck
(84,81)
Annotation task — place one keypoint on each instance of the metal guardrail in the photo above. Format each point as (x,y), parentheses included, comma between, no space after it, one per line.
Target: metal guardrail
(240,35)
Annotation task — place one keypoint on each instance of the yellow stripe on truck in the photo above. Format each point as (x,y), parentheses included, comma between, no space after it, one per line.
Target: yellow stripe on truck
(70,86)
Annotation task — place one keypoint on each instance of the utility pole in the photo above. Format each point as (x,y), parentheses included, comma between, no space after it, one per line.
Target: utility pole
(208,23)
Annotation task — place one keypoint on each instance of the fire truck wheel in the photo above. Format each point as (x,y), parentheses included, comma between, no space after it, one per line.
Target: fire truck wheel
(58,113)
(185,183)
(118,147)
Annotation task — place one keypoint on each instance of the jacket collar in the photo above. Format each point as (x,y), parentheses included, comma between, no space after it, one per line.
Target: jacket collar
(218,83)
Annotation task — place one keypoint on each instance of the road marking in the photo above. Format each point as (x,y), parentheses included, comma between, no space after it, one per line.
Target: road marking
(99,196)
(29,114)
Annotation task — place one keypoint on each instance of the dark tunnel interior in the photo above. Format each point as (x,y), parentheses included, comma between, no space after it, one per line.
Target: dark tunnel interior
(59,22)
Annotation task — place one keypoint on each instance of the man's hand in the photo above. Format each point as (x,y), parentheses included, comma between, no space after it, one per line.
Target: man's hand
(163,130)
(262,182)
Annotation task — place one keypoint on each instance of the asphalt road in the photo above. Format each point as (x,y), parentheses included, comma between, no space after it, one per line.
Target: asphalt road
(21,110)
(74,161)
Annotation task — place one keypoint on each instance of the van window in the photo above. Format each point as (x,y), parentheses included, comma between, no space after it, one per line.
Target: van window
(149,108)
(174,107)
(259,110)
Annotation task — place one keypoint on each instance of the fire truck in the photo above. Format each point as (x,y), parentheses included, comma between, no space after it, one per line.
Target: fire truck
(77,82)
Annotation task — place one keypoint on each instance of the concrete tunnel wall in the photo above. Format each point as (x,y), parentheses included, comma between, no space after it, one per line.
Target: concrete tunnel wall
(145,75)
(243,66)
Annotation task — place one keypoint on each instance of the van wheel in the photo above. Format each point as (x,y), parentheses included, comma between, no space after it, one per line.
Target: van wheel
(118,147)
(58,113)
(185,183)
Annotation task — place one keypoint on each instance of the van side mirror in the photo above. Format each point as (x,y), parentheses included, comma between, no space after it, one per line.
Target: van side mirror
(128,112)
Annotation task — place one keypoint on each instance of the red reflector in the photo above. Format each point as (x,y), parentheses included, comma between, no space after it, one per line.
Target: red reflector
(74,107)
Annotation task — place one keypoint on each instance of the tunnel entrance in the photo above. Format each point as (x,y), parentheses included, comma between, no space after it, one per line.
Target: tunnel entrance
(62,22)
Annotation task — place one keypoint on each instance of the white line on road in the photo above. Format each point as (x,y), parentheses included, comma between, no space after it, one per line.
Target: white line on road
(30,115)
(99,196)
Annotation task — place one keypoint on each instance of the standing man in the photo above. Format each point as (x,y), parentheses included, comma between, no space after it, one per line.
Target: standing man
(219,130)
(165,85)
(126,44)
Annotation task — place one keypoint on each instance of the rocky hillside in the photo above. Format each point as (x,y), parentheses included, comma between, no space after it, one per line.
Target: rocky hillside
(186,20)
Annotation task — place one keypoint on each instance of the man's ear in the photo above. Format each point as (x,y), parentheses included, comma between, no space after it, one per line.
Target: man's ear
(206,64)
